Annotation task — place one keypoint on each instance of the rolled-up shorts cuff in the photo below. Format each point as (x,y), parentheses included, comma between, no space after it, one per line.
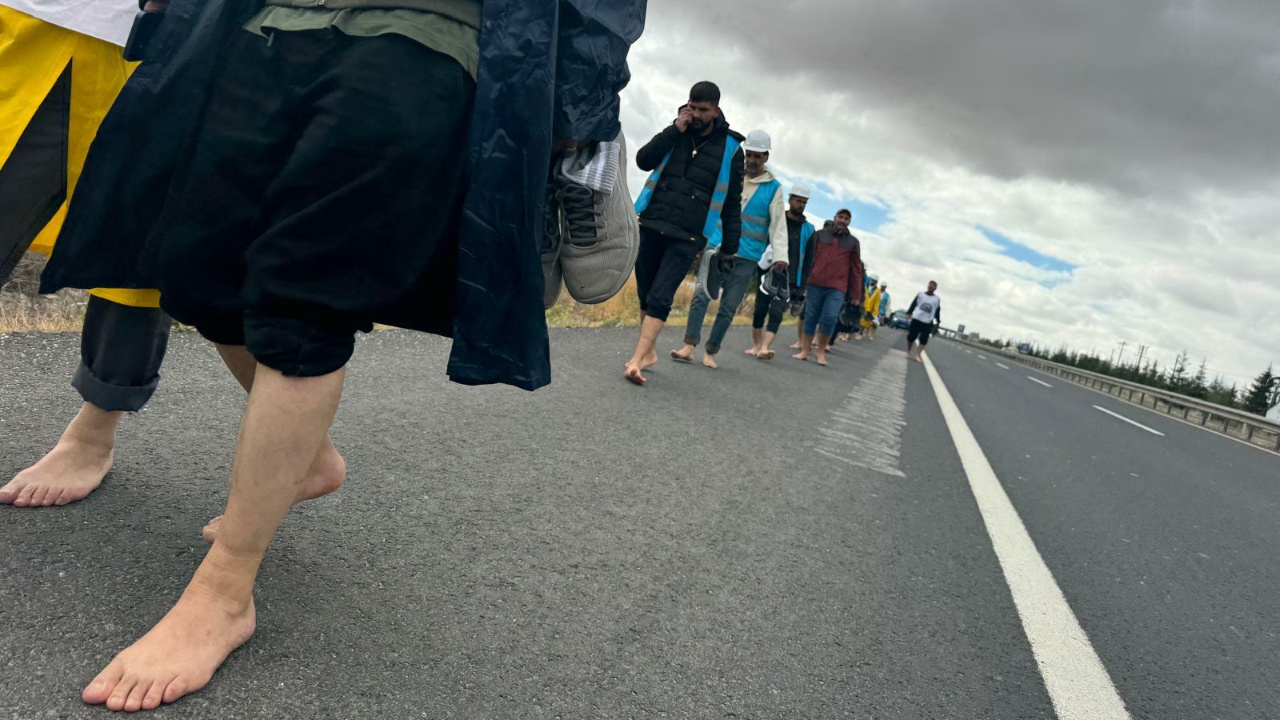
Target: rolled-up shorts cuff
(112,398)
(298,347)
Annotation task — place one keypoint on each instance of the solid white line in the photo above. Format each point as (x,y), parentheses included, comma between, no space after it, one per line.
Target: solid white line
(1131,422)
(1002,366)
(1036,380)
(1078,684)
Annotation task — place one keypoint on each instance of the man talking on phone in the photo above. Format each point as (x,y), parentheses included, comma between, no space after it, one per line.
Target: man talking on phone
(693,196)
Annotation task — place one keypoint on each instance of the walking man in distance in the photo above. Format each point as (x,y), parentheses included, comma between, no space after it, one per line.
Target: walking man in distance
(926,313)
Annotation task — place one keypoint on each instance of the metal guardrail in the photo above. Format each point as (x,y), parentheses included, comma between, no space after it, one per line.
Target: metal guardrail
(1233,423)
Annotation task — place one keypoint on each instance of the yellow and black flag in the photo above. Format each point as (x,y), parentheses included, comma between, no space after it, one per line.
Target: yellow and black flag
(56,85)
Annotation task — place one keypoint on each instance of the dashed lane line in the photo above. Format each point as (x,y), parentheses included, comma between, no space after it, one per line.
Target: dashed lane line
(1037,380)
(1131,422)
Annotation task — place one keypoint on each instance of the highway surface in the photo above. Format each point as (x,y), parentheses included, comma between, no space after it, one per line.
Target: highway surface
(877,539)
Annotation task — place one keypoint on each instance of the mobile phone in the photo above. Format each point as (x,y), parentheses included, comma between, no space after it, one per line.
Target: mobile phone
(144,28)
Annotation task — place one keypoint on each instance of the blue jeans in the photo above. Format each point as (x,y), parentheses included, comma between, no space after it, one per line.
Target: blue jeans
(822,310)
(732,291)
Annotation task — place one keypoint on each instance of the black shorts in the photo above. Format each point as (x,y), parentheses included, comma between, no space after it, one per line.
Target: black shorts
(919,330)
(322,192)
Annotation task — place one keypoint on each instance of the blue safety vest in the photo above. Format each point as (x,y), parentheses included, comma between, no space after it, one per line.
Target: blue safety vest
(711,229)
(806,231)
(755,221)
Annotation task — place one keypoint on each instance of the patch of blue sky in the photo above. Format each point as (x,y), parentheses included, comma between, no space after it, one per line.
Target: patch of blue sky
(1013,249)
(868,214)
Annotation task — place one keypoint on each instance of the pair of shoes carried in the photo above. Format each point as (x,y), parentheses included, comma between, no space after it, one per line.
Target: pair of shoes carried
(598,231)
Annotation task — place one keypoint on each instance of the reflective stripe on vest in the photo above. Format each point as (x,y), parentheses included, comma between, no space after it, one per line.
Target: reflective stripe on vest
(755,221)
(711,228)
(806,231)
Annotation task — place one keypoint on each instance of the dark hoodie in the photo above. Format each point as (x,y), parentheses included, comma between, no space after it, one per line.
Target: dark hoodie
(683,195)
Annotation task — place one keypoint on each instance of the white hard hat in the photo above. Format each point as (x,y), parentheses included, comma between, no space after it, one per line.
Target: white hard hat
(758,141)
(801,190)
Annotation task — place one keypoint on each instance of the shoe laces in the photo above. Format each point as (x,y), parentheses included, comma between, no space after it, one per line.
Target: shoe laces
(551,227)
(580,218)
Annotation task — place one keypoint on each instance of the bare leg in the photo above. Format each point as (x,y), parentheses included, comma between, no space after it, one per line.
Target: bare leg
(824,343)
(709,360)
(757,336)
(766,346)
(327,472)
(806,344)
(799,343)
(284,428)
(650,328)
(73,468)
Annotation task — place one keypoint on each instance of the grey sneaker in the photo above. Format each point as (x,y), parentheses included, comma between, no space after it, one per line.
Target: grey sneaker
(552,280)
(602,236)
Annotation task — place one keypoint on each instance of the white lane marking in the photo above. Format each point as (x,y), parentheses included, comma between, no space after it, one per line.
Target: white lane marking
(1002,366)
(968,351)
(1131,422)
(1036,380)
(981,356)
(1078,684)
(866,431)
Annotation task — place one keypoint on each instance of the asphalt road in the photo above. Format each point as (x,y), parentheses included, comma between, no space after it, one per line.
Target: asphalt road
(769,540)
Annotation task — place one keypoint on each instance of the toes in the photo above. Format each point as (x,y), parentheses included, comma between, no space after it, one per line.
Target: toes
(64,497)
(102,686)
(118,696)
(24,497)
(45,496)
(133,703)
(154,696)
(174,690)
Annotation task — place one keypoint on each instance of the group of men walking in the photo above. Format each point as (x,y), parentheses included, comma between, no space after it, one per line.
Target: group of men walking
(712,195)
(283,183)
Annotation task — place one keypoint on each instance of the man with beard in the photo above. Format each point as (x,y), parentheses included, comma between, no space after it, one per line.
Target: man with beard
(836,279)
(692,199)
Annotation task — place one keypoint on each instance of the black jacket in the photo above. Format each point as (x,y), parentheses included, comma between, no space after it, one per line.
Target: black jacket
(546,67)
(683,196)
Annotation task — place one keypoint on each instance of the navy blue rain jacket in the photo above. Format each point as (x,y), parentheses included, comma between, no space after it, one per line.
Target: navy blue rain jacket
(547,68)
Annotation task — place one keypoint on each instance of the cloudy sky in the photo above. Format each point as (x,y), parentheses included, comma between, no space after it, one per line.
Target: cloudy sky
(1070,171)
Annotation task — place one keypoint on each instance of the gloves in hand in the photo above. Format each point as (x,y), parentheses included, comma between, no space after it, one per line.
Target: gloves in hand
(726,263)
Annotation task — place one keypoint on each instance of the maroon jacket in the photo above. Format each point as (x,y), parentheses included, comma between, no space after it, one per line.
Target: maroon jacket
(837,263)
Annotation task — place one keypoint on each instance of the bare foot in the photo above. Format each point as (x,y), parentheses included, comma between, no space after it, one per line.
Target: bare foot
(709,361)
(919,359)
(795,346)
(802,355)
(684,354)
(180,654)
(72,469)
(634,375)
(752,351)
(326,475)
(766,355)
(822,359)
(649,361)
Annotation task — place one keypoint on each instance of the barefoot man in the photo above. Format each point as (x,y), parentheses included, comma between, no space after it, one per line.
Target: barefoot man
(320,130)
(42,152)
(693,197)
(836,279)
(926,314)
(764,230)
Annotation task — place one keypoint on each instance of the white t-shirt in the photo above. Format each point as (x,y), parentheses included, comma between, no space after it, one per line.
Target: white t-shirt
(108,20)
(926,307)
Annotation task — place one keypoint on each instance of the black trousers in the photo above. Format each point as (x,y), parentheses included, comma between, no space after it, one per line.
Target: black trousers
(121,349)
(323,193)
(919,331)
(661,266)
(765,310)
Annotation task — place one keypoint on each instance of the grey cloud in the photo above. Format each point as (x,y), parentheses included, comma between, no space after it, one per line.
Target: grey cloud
(1149,97)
